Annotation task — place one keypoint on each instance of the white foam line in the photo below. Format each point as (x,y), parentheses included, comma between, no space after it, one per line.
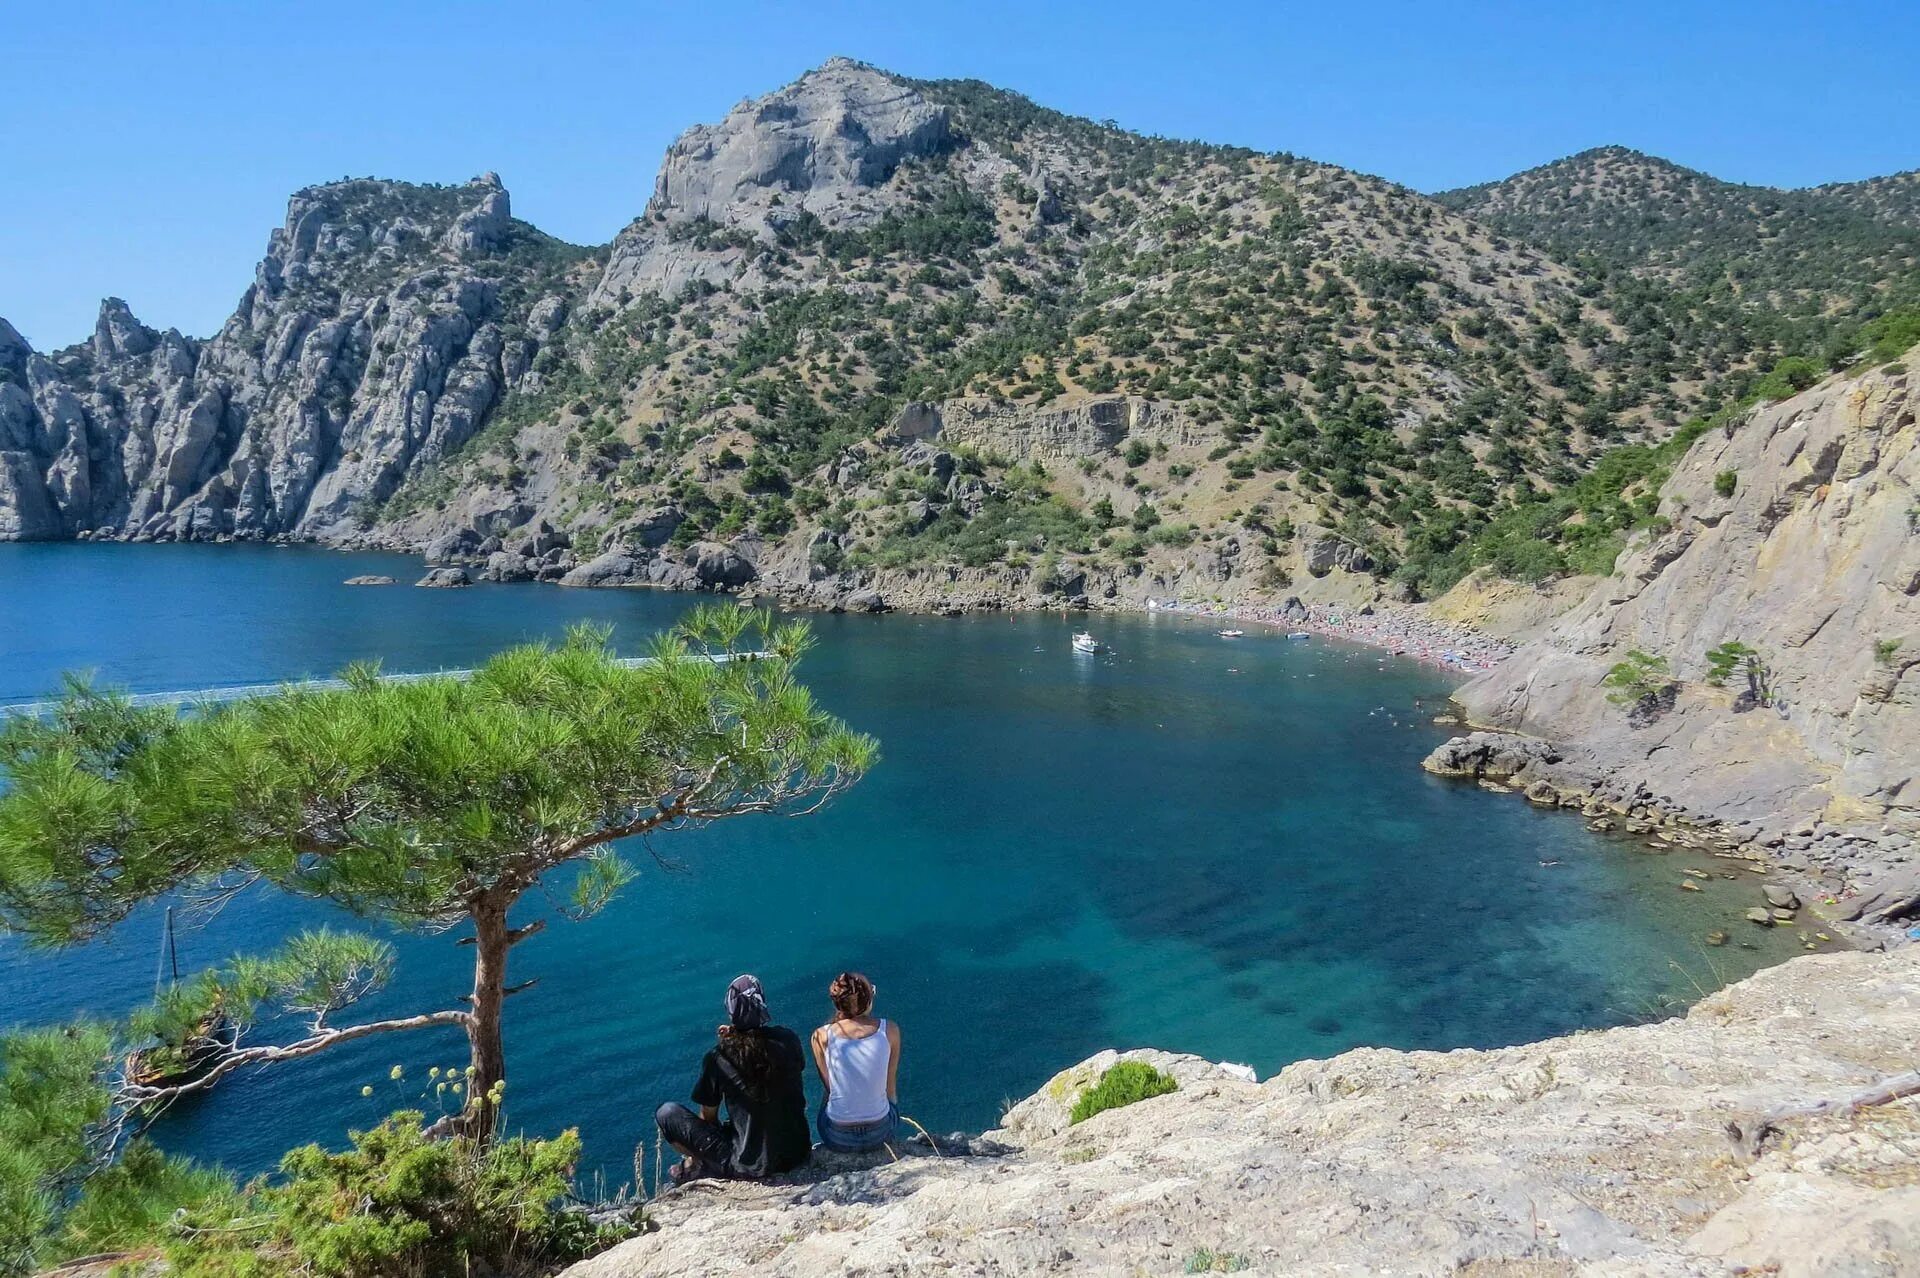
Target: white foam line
(240,692)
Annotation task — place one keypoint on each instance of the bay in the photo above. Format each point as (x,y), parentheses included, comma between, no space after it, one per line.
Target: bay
(1219,847)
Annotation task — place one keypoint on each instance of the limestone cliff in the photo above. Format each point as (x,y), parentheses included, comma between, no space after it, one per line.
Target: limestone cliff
(384,323)
(1795,529)
(1606,1153)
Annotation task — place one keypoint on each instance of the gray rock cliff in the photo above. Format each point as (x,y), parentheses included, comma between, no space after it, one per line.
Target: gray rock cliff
(823,146)
(1813,559)
(377,335)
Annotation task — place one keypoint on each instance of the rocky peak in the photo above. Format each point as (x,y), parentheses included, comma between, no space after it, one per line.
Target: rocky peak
(117,334)
(824,145)
(836,129)
(14,350)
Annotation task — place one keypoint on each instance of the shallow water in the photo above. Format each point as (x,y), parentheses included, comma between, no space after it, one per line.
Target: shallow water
(1218,847)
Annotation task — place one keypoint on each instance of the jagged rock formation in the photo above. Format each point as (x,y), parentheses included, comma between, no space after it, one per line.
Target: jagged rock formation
(820,147)
(383,325)
(1796,530)
(1600,1153)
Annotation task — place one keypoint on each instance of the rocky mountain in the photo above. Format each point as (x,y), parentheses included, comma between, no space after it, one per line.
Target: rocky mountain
(1792,530)
(383,326)
(879,340)
(1723,1142)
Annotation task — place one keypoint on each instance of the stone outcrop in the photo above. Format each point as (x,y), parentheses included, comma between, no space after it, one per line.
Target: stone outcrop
(822,146)
(1678,1148)
(1793,530)
(373,340)
(1093,426)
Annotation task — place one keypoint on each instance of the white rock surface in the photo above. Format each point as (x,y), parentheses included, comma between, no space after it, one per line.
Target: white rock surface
(1601,1153)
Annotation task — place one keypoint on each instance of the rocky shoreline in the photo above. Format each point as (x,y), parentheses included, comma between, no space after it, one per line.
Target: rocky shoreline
(1803,869)
(1762,1132)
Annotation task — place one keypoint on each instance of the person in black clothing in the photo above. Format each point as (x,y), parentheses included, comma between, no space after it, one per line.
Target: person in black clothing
(757,1068)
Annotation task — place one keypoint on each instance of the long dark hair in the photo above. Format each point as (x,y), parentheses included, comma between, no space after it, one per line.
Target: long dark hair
(752,1060)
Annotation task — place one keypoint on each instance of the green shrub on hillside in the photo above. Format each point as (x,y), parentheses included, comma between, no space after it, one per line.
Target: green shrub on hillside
(1121,1085)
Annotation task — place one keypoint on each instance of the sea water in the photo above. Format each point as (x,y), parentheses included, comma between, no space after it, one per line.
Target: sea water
(1224,847)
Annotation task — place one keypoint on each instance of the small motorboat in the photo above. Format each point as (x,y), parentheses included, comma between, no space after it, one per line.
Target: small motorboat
(1298,634)
(1084,642)
(1231,634)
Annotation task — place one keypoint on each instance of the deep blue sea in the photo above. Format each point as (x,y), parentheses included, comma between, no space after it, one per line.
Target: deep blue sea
(1210,846)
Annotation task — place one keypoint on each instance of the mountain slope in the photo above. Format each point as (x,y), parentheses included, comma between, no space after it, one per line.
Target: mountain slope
(920,338)
(1223,360)
(1802,251)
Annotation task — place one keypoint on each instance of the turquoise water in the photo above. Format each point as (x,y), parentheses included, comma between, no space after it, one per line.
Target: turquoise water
(1224,848)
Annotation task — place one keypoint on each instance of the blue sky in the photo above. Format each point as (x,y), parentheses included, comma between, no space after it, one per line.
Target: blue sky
(151,147)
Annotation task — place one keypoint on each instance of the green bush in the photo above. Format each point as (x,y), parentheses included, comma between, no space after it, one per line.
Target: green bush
(396,1205)
(1640,676)
(1725,482)
(1125,1083)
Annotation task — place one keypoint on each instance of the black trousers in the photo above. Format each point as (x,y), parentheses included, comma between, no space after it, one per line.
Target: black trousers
(711,1143)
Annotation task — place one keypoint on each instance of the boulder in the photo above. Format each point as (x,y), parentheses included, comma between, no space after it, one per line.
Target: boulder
(614,568)
(654,528)
(1326,553)
(719,567)
(370,579)
(867,600)
(1780,896)
(446,577)
(1049,1111)
(452,547)
(506,566)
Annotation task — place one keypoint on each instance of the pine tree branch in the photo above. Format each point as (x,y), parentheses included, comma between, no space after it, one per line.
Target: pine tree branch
(133,1094)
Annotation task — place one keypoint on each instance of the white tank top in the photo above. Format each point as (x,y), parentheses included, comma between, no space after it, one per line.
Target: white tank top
(857,1076)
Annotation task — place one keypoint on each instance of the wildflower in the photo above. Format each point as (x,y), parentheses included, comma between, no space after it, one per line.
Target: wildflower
(456,1089)
(434,1072)
(395,1073)
(367,1090)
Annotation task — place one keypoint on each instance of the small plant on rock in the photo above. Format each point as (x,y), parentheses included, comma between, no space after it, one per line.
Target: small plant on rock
(1726,482)
(1121,1085)
(1885,650)
(1734,659)
(1640,676)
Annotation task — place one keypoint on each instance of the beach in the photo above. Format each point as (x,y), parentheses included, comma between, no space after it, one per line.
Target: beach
(1399,631)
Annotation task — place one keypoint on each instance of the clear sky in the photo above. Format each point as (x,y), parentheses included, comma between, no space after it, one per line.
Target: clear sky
(150,147)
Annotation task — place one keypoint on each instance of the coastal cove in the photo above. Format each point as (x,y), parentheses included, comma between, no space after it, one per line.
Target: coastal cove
(1225,848)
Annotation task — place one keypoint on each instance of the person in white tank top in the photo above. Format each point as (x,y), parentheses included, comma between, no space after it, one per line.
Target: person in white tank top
(858,1056)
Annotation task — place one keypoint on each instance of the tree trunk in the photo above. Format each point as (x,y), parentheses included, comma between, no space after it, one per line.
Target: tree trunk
(491,942)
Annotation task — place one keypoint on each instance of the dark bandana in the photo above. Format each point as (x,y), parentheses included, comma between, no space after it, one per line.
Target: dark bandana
(747,1004)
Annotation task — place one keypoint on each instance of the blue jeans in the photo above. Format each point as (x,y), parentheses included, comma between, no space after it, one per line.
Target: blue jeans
(853,1138)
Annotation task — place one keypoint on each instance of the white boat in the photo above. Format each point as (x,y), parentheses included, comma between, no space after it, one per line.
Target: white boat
(1298,634)
(1231,634)
(1084,642)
